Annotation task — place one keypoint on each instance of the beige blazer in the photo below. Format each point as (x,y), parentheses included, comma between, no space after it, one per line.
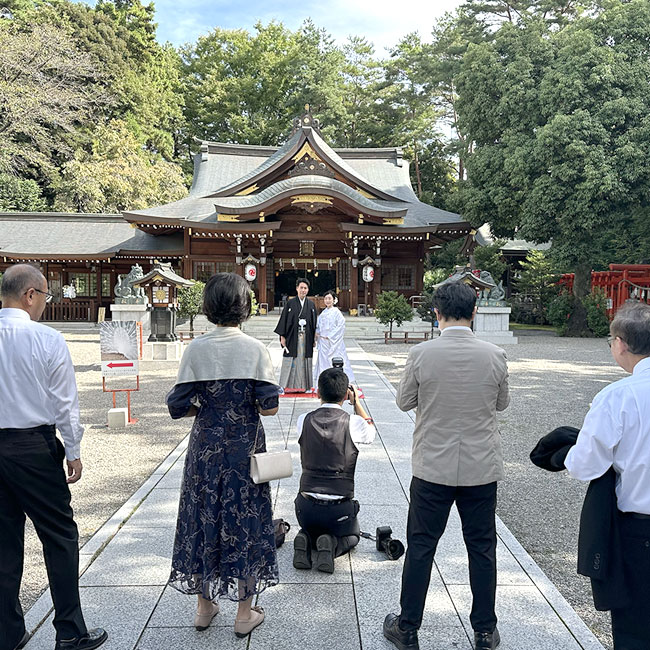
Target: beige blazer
(457,383)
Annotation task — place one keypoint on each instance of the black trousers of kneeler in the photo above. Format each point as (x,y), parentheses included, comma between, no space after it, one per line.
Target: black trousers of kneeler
(337,518)
(33,483)
(428,514)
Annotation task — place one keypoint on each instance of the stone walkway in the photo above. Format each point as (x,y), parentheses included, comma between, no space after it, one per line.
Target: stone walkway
(126,564)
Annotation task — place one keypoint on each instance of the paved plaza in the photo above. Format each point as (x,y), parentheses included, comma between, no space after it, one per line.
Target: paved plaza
(125,565)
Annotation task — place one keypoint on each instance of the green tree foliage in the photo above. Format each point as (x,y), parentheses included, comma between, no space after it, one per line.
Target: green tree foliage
(20,195)
(45,92)
(117,175)
(247,88)
(489,258)
(559,121)
(536,286)
(190,302)
(392,307)
(413,112)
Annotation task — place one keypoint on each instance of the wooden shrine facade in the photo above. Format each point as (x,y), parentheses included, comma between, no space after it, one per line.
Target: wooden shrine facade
(272,214)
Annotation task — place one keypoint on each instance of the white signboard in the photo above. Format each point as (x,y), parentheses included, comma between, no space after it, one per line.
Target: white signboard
(250,272)
(118,341)
(368,273)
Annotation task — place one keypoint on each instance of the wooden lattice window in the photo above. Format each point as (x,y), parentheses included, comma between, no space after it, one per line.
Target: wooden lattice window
(343,275)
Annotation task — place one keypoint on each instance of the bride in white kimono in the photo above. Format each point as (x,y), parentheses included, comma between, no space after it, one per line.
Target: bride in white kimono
(330,330)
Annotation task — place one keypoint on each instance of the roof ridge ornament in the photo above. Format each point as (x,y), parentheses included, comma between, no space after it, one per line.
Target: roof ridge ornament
(306,120)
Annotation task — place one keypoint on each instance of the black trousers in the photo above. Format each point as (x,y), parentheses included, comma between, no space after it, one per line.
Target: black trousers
(631,626)
(32,483)
(427,520)
(339,519)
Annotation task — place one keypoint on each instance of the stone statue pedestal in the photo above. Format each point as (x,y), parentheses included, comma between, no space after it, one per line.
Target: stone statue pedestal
(138,313)
(493,324)
(163,351)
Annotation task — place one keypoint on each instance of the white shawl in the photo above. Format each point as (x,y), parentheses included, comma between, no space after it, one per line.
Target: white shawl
(225,353)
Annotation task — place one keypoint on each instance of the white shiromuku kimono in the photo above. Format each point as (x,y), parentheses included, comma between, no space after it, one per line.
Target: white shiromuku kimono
(331,324)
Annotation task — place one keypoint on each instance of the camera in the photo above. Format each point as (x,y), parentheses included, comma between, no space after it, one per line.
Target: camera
(393,548)
(337,362)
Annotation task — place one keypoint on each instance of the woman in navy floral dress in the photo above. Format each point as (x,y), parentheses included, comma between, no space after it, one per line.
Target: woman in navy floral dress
(225,545)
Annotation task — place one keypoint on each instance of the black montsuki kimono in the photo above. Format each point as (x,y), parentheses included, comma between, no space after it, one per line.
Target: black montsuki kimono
(288,326)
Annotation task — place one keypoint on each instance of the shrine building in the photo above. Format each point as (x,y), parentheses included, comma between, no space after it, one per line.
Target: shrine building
(346,219)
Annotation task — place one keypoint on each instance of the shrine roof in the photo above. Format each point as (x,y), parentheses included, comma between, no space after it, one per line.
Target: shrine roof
(52,234)
(307,183)
(237,176)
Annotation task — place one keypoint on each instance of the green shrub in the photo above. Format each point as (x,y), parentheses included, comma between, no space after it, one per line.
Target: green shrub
(254,305)
(190,302)
(596,305)
(392,307)
(559,311)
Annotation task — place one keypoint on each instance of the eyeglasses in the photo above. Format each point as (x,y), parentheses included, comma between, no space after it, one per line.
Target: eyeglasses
(48,295)
(610,340)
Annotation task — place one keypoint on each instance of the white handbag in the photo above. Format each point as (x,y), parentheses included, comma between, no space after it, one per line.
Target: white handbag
(270,465)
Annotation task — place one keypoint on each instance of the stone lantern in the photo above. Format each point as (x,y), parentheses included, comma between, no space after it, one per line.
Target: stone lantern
(161,286)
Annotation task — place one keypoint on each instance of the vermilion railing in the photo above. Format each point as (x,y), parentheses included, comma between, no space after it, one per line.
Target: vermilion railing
(622,282)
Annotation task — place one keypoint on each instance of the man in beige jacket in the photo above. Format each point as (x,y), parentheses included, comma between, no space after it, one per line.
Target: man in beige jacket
(457,383)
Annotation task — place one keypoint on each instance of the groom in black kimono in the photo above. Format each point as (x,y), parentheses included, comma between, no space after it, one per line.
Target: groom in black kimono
(296,328)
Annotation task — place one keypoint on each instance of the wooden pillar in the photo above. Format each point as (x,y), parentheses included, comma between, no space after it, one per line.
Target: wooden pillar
(354,286)
(187,260)
(261,284)
(377,284)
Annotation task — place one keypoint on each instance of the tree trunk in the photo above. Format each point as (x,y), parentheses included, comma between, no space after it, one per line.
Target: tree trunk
(417,170)
(191,327)
(577,325)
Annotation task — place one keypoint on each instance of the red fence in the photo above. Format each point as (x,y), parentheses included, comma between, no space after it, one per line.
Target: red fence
(622,282)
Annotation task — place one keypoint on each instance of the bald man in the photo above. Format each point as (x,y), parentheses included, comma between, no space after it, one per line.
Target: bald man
(39,395)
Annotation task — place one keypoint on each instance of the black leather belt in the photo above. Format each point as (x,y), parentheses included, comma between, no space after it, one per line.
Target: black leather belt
(636,515)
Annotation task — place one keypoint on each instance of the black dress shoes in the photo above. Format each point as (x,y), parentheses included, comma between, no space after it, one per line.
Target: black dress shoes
(403,639)
(302,551)
(92,639)
(326,547)
(23,641)
(486,640)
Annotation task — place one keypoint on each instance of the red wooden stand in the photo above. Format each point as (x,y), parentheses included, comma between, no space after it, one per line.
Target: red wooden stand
(128,392)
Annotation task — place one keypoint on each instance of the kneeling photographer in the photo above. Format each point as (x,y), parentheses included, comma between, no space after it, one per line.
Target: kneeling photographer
(325,507)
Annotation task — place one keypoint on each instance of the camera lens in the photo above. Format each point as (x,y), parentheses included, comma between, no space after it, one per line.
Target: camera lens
(394,549)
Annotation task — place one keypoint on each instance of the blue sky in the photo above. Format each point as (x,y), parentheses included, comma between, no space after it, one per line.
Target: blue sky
(383,22)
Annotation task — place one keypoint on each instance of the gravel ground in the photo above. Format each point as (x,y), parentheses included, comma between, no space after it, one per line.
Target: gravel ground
(552,382)
(116,461)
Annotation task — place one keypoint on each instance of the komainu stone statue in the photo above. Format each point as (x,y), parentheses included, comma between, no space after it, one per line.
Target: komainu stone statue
(125,292)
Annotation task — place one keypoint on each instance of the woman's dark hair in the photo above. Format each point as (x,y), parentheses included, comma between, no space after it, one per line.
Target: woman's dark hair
(632,325)
(455,301)
(301,280)
(330,293)
(227,299)
(333,385)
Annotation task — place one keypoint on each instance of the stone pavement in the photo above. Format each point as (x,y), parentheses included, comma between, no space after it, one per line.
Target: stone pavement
(126,564)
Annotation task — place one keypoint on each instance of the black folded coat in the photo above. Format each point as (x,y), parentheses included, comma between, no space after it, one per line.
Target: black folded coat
(600,553)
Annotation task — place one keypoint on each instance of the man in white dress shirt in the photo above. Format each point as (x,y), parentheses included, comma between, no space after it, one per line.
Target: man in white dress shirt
(325,505)
(616,432)
(39,393)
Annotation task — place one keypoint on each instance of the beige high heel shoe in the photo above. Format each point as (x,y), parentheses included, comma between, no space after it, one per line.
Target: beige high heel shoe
(202,621)
(244,628)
